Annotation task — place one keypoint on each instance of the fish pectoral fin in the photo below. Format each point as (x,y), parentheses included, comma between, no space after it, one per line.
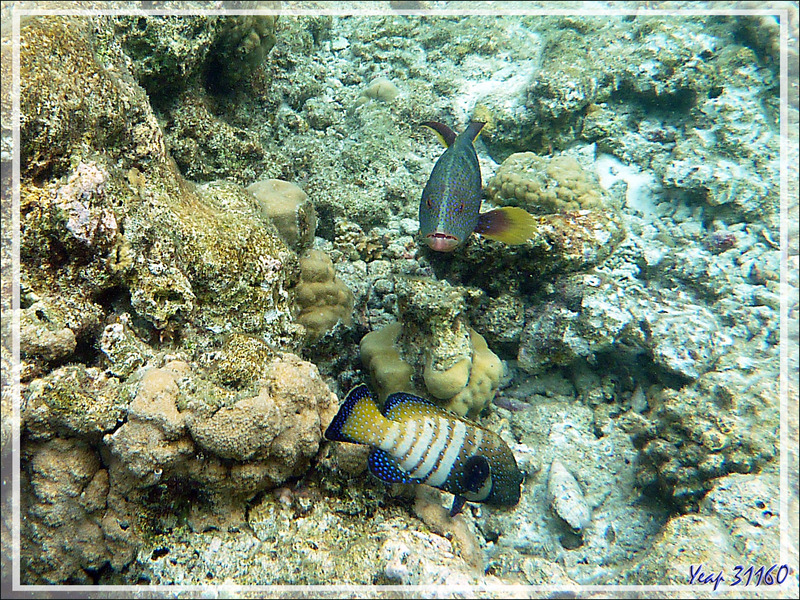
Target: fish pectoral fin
(458,504)
(510,225)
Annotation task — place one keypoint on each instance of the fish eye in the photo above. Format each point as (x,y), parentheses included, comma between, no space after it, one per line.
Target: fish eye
(461,207)
(429,203)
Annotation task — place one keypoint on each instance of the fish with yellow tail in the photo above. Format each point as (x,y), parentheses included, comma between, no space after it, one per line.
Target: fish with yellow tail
(416,441)
(451,201)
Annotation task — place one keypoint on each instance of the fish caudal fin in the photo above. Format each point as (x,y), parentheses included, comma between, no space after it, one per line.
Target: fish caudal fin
(358,421)
(446,135)
(473,129)
(510,225)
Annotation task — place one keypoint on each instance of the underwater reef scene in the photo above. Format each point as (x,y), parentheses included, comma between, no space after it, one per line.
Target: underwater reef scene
(219,238)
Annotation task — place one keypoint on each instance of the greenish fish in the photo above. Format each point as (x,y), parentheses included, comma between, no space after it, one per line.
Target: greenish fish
(416,441)
(451,201)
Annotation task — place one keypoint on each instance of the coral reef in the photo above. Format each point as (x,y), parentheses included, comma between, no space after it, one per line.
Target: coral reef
(432,351)
(563,243)
(268,436)
(694,435)
(123,350)
(170,436)
(322,298)
(588,314)
(241,45)
(170,53)
(207,145)
(381,89)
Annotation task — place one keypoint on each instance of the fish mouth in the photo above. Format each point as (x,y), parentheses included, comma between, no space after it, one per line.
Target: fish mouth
(441,242)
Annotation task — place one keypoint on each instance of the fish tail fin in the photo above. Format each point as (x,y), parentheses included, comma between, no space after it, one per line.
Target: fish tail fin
(473,129)
(359,420)
(446,135)
(510,225)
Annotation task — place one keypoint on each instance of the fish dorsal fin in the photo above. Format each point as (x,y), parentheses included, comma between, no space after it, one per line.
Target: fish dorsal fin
(401,406)
(446,135)
(385,467)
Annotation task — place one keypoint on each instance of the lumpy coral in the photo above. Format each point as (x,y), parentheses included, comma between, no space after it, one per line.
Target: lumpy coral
(544,185)
(381,355)
(432,351)
(232,445)
(322,298)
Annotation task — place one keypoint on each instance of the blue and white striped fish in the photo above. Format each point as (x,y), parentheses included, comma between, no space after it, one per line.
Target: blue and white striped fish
(416,441)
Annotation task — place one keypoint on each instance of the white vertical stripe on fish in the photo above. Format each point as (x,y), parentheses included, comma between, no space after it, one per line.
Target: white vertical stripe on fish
(409,436)
(477,437)
(424,440)
(434,450)
(389,440)
(454,443)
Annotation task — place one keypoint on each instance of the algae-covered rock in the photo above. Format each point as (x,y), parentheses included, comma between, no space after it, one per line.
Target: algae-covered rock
(185,255)
(122,348)
(51,327)
(70,105)
(73,401)
(242,360)
(704,431)
(170,53)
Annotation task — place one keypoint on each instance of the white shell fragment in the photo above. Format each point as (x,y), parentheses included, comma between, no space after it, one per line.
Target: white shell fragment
(566,497)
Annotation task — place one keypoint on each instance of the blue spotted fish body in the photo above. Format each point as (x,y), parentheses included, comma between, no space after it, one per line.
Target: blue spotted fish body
(451,200)
(416,441)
